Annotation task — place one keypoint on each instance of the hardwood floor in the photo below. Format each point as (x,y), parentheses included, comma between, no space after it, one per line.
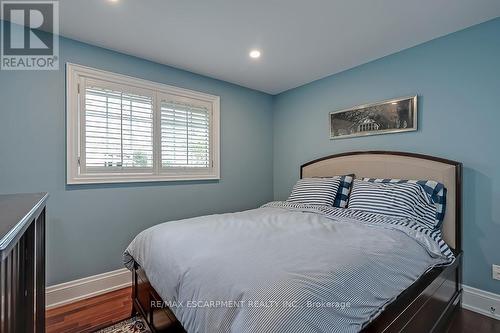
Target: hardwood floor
(105,310)
(90,314)
(465,321)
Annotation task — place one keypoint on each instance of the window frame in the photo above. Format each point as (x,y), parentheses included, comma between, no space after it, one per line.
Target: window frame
(76,171)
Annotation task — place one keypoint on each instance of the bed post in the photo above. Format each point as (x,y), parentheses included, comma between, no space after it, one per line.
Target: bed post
(134,290)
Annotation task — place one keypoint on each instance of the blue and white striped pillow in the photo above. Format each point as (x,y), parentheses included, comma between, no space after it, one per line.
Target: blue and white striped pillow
(397,199)
(342,196)
(435,190)
(315,191)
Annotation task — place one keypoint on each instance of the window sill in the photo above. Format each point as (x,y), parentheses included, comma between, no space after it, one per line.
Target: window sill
(138,179)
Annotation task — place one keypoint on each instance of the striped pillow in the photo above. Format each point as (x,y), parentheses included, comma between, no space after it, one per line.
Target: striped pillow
(397,199)
(315,191)
(435,190)
(342,196)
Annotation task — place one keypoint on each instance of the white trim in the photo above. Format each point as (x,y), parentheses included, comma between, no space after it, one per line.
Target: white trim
(112,179)
(132,81)
(76,75)
(73,291)
(481,301)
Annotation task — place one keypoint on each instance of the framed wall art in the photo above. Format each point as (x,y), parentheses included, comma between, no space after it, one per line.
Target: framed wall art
(391,116)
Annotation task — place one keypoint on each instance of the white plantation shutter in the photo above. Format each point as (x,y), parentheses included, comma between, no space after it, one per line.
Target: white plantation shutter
(118,129)
(185,135)
(123,129)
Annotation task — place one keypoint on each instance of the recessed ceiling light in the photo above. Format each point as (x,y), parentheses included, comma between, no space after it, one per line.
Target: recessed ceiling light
(254,54)
(394,103)
(114,1)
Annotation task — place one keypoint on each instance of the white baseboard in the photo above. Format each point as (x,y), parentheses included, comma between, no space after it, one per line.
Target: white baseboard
(481,301)
(95,285)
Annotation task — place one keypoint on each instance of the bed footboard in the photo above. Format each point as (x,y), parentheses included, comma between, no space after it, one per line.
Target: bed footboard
(148,304)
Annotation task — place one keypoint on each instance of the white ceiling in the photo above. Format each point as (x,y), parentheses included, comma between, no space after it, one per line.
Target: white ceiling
(301,40)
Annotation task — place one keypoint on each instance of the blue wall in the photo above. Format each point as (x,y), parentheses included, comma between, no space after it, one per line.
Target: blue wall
(90,226)
(458,80)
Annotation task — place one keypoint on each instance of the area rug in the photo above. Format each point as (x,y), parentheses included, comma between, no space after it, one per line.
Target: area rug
(132,325)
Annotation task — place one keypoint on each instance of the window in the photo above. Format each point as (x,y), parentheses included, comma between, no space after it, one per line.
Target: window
(122,129)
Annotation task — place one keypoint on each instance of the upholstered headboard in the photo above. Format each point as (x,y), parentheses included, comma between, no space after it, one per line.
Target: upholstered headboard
(384,164)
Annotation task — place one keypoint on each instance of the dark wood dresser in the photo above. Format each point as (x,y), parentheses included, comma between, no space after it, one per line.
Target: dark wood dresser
(22,268)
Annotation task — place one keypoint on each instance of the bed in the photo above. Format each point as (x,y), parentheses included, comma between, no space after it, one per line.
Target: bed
(223,272)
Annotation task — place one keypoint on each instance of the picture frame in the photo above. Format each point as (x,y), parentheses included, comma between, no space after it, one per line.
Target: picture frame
(390,116)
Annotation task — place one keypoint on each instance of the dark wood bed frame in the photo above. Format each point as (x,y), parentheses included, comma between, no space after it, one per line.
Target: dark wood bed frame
(426,306)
